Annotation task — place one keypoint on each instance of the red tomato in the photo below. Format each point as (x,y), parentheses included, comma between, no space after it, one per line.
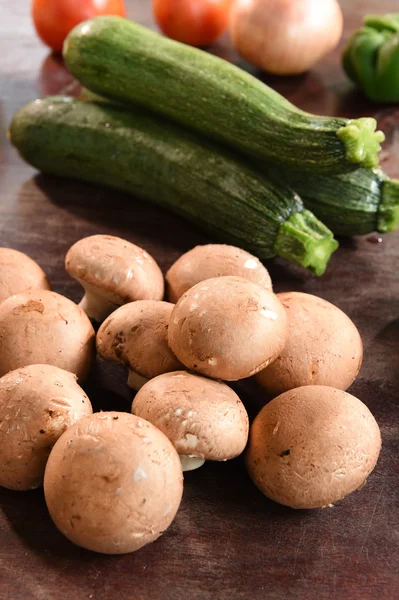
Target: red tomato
(194,22)
(54,19)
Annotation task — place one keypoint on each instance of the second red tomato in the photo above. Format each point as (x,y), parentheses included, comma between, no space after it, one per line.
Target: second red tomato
(54,19)
(194,22)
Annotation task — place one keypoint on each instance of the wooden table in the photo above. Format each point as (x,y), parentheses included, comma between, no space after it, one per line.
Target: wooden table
(228,541)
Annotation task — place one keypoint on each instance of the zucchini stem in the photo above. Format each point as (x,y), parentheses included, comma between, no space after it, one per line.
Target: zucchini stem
(304,239)
(362,142)
(388,210)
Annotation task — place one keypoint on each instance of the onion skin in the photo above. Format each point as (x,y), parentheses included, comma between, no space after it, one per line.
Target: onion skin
(285,37)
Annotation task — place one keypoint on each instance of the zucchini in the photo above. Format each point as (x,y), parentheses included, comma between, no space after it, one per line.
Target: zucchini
(128,63)
(140,153)
(353,203)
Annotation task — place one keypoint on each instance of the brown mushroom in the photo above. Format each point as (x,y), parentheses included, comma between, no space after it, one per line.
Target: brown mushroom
(37,404)
(113,483)
(214,260)
(227,328)
(204,419)
(323,347)
(136,335)
(312,446)
(113,272)
(19,273)
(42,327)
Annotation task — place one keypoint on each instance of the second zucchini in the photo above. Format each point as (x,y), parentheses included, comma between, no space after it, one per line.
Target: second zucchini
(355,203)
(142,154)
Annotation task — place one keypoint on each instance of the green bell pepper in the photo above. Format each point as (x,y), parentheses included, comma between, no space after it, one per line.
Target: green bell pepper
(371,57)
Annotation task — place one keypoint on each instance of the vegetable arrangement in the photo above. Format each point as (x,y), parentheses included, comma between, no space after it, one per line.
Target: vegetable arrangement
(190,132)
(113,481)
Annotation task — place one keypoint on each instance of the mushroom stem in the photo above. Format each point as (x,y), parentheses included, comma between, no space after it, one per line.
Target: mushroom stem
(190,463)
(136,381)
(96,307)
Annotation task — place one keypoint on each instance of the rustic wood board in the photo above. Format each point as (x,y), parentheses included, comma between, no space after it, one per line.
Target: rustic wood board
(228,541)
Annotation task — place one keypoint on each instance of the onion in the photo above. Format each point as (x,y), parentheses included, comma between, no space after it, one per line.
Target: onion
(285,37)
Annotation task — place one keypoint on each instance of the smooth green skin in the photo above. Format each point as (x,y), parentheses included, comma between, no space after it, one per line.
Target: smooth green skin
(349,204)
(155,160)
(371,57)
(127,63)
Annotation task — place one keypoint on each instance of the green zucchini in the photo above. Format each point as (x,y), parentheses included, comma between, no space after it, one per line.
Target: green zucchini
(125,62)
(355,203)
(140,153)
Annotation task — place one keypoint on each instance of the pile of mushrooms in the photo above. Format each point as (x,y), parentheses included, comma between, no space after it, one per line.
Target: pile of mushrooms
(113,481)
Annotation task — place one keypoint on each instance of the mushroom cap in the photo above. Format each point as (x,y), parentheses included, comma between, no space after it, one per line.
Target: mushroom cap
(227,328)
(136,335)
(323,347)
(37,404)
(214,260)
(312,446)
(201,417)
(19,273)
(119,271)
(113,483)
(42,327)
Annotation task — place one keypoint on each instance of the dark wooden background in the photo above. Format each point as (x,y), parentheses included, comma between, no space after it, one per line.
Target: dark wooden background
(228,541)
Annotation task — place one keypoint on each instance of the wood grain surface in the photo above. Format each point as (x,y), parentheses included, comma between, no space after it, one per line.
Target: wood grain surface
(228,541)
